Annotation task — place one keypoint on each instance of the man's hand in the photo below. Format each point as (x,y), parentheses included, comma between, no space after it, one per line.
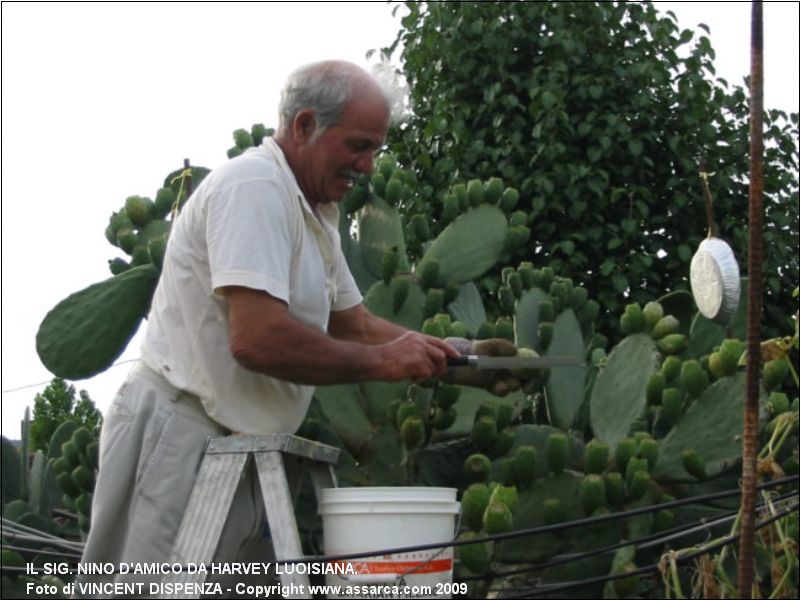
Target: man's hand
(499,382)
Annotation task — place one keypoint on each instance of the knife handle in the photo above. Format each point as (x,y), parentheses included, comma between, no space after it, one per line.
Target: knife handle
(460,361)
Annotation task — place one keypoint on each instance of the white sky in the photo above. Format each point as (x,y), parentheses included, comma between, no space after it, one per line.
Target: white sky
(101,101)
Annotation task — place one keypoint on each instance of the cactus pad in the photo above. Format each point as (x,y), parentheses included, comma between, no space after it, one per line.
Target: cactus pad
(84,333)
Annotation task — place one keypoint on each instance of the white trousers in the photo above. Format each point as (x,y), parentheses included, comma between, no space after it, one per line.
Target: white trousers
(151,445)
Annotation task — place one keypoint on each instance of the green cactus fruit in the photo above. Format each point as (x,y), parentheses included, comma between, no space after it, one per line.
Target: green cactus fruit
(387,164)
(507,495)
(547,311)
(663,520)
(356,198)
(83,477)
(625,586)
(126,240)
(497,518)
(61,465)
(671,405)
(505,328)
(443,418)
(393,191)
(450,208)
(242,138)
(730,352)
(592,493)
(637,487)
(412,432)
(258,131)
(693,463)
(421,227)
(460,192)
(632,320)
(477,467)
(626,449)
(486,331)
(118,265)
(67,484)
(715,367)
(457,329)
(509,199)
(391,411)
(84,503)
(674,343)
(589,313)
(778,403)
(506,299)
(504,414)
(162,206)
(486,409)
(443,319)
(493,190)
(595,458)
(156,249)
(139,210)
(548,275)
(484,432)
(526,272)
(474,501)
(774,372)
(429,273)
(233,152)
(515,285)
(391,260)
(502,444)
(655,387)
(553,511)
(578,298)
(69,451)
(404,410)
(451,292)
(434,301)
(545,335)
(693,378)
(475,193)
(524,465)
(648,449)
(378,182)
(432,328)
(671,368)
(140,256)
(666,325)
(652,313)
(518,219)
(475,557)
(446,395)
(82,438)
(400,287)
(120,220)
(615,488)
(559,291)
(557,452)
(634,464)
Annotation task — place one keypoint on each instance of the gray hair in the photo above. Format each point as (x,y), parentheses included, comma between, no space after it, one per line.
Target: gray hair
(327,87)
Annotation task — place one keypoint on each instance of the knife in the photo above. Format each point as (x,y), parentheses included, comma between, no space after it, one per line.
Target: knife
(478,361)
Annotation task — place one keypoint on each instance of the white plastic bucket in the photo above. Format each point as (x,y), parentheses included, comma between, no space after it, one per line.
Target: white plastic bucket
(361,519)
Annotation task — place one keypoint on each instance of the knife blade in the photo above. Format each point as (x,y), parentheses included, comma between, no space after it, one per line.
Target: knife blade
(514,362)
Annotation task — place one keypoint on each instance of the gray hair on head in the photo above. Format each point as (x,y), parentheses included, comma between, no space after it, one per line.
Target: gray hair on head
(327,87)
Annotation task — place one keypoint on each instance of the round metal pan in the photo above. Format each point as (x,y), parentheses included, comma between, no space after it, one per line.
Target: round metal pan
(715,281)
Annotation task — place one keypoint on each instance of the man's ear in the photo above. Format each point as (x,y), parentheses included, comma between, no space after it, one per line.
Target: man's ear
(304,125)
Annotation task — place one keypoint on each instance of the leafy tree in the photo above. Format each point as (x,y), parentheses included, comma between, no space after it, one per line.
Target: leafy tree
(57,404)
(600,114)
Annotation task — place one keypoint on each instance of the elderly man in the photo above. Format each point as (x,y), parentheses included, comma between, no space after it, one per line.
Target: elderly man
(255,306)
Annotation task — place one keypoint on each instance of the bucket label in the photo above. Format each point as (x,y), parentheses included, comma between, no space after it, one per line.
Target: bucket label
(412,575)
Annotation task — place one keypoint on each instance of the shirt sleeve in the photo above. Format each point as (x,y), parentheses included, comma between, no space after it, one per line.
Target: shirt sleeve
(249,228)
(347,293)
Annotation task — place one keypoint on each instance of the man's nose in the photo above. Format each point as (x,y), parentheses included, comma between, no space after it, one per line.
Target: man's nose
(365,163)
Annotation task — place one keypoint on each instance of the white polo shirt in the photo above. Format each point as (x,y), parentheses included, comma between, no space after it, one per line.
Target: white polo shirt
(247,224)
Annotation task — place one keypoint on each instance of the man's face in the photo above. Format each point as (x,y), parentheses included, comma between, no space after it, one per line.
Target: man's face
(343,151)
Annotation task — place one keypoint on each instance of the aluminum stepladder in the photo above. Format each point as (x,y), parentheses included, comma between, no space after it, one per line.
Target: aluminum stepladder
(220,472)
